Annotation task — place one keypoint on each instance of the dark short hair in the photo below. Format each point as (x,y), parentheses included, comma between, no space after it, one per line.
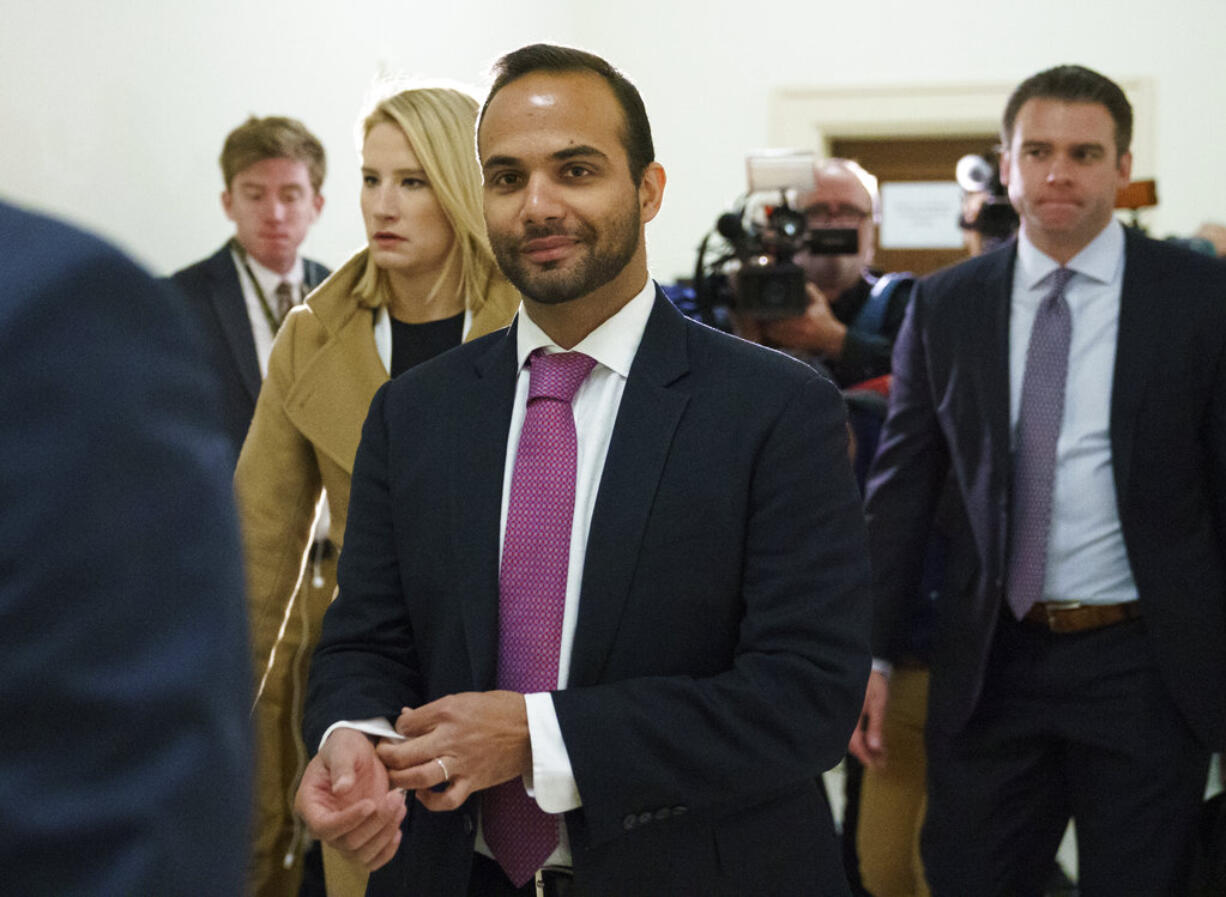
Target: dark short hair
(636,133)
(1072,84)
(272,137)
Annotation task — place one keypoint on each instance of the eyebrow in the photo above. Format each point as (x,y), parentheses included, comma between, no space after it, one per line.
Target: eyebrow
(421,171)
(571,152)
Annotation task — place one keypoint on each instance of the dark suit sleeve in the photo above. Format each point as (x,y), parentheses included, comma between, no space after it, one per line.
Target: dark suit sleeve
(124,683)
(904,481)
(779,707)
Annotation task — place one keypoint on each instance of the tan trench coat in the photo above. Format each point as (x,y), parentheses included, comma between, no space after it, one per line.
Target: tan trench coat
(322,374)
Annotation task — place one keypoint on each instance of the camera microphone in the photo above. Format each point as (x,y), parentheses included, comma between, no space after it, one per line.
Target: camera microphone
(729,227)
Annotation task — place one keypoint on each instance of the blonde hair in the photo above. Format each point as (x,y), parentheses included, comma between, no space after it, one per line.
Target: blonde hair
(440,123)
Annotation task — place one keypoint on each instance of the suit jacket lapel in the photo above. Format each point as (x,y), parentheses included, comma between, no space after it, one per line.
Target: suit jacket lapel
(482,416)
(1140,318)
(226,297)
(646,420)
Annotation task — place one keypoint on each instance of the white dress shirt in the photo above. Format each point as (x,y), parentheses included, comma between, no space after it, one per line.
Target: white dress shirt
(1086,558)
(268,280)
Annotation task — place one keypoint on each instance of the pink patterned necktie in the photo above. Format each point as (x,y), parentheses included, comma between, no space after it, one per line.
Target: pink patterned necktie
(1039,418)
(532,589)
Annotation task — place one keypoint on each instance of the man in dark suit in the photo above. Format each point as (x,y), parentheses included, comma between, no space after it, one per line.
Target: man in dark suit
(711,643)
(124,745)
(273,169)
(1080,652)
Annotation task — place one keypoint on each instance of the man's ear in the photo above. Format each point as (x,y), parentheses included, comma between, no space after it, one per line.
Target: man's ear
(651,191)
(227,204)
(1124,169)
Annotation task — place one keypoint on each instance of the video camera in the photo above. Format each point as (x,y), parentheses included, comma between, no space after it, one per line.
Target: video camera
(755,274)
(996,218)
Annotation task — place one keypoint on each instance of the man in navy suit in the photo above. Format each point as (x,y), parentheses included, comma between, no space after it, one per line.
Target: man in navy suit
(124,682)
(273,169)
(714,644)
(1102,698)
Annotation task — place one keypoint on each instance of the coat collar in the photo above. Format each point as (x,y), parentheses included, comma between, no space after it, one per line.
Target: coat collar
(331,393)
(332,389)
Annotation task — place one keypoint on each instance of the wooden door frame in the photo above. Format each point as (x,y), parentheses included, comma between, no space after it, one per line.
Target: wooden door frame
(810,117)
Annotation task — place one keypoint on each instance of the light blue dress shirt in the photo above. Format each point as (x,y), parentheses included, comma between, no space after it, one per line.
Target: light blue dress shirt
(1086,558)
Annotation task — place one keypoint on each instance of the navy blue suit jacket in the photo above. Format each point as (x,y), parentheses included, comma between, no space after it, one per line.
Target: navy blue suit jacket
(124,677)
(215,297)
(949,409)
(720,654)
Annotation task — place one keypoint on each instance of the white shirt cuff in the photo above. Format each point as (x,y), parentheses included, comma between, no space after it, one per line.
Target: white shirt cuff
(378,727)
(884,667)
(552,782)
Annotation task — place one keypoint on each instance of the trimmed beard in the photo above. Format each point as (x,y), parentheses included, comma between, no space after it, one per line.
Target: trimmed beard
(548,284)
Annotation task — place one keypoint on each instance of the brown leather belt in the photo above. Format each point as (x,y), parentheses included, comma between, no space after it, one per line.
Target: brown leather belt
(1071,617)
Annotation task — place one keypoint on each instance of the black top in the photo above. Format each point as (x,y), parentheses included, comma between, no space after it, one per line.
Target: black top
(414,343)
(866,355)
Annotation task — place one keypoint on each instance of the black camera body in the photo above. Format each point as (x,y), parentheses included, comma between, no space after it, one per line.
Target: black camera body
(768,283)
(755,275)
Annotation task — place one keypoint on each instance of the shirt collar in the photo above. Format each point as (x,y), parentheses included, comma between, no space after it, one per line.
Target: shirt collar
(1102,259)
(613,344)
(269,279)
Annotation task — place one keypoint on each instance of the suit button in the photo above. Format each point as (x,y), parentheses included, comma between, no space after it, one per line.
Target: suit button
(663,813)
(630,822)
(644,818)
(468,825)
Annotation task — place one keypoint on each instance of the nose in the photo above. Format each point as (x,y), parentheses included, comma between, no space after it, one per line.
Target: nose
(541,200)
(275,209)
(384,205)
(1060,168)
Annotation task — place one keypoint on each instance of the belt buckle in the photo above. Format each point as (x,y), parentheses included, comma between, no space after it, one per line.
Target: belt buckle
(1054,623)
(538,878)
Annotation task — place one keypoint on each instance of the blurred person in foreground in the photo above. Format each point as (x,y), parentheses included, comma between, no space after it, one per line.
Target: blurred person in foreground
(124,680)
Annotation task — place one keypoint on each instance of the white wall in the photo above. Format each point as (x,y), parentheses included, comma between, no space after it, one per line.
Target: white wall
(113,114)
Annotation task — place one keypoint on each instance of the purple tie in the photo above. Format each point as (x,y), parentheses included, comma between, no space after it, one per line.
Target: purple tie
(532,589)
(1034,458)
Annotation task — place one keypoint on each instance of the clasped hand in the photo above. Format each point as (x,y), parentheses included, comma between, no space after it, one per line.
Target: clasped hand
(352,792)
(480,737)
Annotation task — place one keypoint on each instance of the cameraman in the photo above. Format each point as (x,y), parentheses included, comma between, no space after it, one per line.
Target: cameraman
(851,337)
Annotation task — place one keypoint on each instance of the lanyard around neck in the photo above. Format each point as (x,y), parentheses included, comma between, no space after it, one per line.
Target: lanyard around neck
(273,324)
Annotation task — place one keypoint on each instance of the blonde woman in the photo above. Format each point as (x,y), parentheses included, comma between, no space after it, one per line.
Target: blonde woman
(425,281)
